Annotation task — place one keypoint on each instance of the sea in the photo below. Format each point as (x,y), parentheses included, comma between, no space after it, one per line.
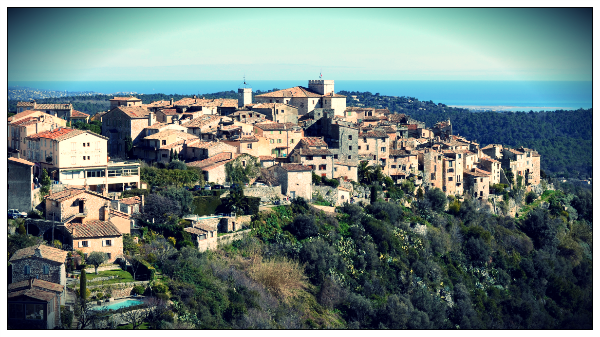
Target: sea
(477,95)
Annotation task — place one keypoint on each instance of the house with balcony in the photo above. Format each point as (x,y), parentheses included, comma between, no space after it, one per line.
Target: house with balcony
(79,157)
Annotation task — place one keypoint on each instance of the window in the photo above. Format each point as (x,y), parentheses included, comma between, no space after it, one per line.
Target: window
(359,147)
(481,180)
(322,167)
(27,270)
(335,169)
(73,160)
(164,142)
(15,310)
(72,146)
(335,156)
(309,157)
(349,137)
(88,144)
(249,146)
(449,178)
(83,144)
(109,255)
(291,141)
(88,158)
(34,311)
(164,155)
(350,148)
(271,141)
(349,113)
(367,147)
(107,243)
(383,149)
(83,157)
(349,157)
(83,244)
(97,159)
(323,157)
(393,166)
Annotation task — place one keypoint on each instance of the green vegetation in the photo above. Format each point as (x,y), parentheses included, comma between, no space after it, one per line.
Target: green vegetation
(122,276)
(83,291)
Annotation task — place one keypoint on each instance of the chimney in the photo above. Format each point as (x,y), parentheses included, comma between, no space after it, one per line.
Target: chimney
(150,118)
(106,212)
(171,101)
(38,251)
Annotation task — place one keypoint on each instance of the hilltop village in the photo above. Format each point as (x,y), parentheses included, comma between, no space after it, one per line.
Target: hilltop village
(292,134)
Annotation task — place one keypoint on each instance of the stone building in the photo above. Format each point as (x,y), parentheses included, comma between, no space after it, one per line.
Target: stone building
(29,123)
(157,147)
(124,122)
(278,112)
(204,127)
(96,236)
(491,165)
(213,168)
(431,163)
(20,185)
(319,160)
(319,94)
(295,180)
(477,181)
(34,304)
(204,231)
(402,164)
(374,147)
(253,145)
(453,173)
(283,137)
(522,162)
(43,263)
(199,150)
(124,102)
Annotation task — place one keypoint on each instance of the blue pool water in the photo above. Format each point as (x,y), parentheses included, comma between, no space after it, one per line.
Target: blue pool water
(119,305)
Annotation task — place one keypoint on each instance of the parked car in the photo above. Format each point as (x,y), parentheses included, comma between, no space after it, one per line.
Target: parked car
(14,214)
(218,187)
(259,184)
(197,188)
(207,187)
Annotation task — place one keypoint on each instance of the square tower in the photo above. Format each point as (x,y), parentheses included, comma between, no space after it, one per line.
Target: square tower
(244,96)
(322,87)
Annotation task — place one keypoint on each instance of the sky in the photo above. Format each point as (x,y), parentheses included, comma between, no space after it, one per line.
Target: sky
(108,44)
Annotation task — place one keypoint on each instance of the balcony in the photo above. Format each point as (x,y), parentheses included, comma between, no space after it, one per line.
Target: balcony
(76,215)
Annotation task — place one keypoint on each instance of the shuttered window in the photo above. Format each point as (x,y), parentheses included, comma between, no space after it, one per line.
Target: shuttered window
(27,270)
(46,270)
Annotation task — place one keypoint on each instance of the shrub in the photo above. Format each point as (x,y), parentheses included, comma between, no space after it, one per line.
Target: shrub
(530,197)
(281,276)
(177,165)
(304,226)
(21,230)
(437,198)
(160,288)
(138,290)
(66,316)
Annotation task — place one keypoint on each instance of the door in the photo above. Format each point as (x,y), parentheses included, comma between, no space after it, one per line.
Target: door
(80,206)
(293,194)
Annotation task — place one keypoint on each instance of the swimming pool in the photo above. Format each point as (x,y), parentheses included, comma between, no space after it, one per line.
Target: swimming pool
(118,304)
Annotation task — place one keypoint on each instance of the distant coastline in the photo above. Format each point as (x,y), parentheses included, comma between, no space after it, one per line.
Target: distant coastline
(498,95)
(510,108)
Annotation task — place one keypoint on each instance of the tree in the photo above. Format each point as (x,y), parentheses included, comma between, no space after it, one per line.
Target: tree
(510,176)
(160,209)
(420,193)
(83,285)
(437,198)
(171,155)
(235,200)
(133,262)
(129,147)
(96,259)
(373,196)
(304,226)
(176,164)
(45,181)
(316,179)
(135,316)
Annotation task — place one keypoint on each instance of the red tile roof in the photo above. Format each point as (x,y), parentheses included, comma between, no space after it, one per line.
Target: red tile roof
(78,114)
(169,111)
(295,167)
(71,192)
(92,229)
(130,98)
(133,111)
(131,201)
(266,158)
(313,141)
(276,126)
(21,161)
(374,134)
(223,156)
(292,92)
(478,173)
(34,293)
(24,104)
(37,283)
(314,152)
(21,121)
(47,253)
(21,115)
(57,134)
(53,106)
(201,121)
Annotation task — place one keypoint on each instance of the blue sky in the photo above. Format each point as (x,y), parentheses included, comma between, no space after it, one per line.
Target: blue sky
(288,44)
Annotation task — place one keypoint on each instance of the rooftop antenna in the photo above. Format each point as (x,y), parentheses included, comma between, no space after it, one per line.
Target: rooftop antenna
(245,84)
(321,74)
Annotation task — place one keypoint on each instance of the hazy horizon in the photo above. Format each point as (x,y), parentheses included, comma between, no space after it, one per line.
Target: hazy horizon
(162,44)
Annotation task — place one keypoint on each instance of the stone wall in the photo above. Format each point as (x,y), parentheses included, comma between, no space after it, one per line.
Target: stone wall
(20,187)
(117,290)
(229,238)
(328,193)
(264,192)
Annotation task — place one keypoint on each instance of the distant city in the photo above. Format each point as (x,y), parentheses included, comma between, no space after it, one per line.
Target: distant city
(26,93)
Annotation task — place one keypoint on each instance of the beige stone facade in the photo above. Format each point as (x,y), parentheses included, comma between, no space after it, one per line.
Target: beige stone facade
(282,138)
(295,180)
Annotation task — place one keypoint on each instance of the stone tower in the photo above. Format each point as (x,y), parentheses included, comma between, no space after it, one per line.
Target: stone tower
(322,87)
(244,96)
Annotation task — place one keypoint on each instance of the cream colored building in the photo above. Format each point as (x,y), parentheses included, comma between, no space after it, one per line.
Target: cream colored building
(319,94)
(79,157)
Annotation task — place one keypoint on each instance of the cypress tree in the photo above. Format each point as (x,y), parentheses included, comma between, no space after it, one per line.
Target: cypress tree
(171,155)
(373,194)
(83,285)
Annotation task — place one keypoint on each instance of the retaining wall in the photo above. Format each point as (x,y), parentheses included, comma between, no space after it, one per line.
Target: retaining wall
(229,238)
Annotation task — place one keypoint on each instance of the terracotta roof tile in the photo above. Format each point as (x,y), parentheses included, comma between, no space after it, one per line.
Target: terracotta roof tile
(53,106)
(47,252)
(133,111)
(37,283)
(313,141)
(131,201)
(92,229)
(66,194)
(78,114)
(314,152)
(295,167)
(34,293)
(223,156)
(374,134)
(276,126)
(21,161)
(24,104)
(292,92)
(21,121)
(201,121)
(266,158)
(21,115)
(130,98)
